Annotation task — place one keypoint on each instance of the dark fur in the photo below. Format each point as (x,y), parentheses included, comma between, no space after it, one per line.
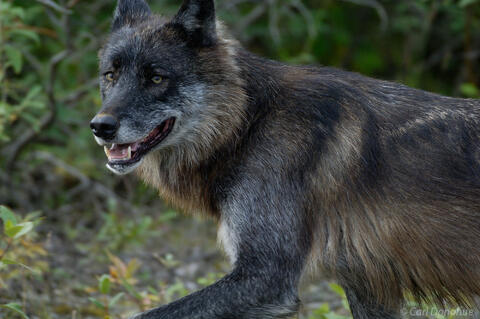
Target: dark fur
(377,183)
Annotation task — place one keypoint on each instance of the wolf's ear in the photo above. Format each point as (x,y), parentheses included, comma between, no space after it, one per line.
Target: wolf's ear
(197,17)
(129,12)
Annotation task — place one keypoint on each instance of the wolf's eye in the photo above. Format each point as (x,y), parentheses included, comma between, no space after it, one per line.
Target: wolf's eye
(157,79)
(109,76)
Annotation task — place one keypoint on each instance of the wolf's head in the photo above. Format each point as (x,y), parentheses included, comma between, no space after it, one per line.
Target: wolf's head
(170,88)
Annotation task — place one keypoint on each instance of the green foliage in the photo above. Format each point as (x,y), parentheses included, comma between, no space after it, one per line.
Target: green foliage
(16,308)
(470,90)
(16,251)
(117,232)
(18,101)
(104,284)
(324,311)
(108,302)
(465,3)
(119,287)
(209,279)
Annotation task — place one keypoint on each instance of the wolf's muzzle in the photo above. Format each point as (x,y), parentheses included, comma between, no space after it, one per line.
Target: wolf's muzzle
(104,126)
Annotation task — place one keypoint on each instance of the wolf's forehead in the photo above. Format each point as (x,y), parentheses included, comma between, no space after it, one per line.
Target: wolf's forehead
(136,46)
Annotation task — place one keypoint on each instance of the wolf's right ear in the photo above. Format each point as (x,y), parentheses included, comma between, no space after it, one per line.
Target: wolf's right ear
(129,12)
(197,18)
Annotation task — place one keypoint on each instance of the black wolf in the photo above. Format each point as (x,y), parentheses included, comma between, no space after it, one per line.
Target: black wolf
(375,182)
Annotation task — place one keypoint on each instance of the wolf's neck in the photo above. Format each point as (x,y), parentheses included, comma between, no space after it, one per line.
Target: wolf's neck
(262,78)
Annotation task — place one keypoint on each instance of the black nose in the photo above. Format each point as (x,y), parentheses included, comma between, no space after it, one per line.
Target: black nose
(104,126)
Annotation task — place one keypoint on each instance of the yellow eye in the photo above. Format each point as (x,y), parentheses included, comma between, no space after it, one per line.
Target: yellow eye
(109,76)
(157,79)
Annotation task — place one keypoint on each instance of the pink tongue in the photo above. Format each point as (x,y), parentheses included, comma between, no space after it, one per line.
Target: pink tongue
(118,152)
(121,151)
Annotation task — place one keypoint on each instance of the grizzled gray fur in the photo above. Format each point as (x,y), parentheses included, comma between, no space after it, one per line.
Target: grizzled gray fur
(375,183)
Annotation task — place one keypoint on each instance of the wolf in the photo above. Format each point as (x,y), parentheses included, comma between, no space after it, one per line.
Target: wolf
(375,183)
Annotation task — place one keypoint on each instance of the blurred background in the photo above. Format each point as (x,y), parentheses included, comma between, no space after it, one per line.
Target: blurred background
(79,242)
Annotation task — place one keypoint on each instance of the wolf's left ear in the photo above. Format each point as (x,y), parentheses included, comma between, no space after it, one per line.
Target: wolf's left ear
(129,12)
(197,17)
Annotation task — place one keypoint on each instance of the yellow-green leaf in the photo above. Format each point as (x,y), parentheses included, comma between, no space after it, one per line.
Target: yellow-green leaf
(6,214)
(338,290)
(14,58)
(115,299)
(17,231)
(11,229)
(6,261)
(26,33)
(10,262)
(26,228)
(96,303)
(15,307)
(104,284)
(470,90)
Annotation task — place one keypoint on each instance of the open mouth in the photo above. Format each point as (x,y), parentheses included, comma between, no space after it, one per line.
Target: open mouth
(127,154)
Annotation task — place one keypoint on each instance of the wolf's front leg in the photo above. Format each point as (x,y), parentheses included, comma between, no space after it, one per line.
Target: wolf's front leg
(242,294)
(363,307)
(268,241)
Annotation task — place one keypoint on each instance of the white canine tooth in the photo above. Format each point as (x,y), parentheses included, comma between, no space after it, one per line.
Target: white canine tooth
(112,147)
(106,150)
(129,152)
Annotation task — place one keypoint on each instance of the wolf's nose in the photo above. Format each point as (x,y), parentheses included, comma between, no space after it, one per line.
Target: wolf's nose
(104,126)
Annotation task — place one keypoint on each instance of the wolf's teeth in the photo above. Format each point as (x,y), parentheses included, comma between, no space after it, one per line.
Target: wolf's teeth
(112,147)
(106,150)
(129,152)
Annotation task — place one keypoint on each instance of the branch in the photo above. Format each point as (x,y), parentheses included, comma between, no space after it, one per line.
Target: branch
(309,20)
(86,183)
(273,22)
(253,15)
(11,153)
(382,13)
(55,6)
(76,95)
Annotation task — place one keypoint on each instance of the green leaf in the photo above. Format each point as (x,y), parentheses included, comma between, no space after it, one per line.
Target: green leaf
(96,303)
(10,262)
(17,231)
(11,229)
(15,307)
(14,58)
(470,90)
(167,216)
(323,309)
(4,6)
(6,214)
(104,284)
(464,3)
(31,120)
(18,12)
(130,289)
(26,228)
(115,299)
(153,290)
(14,262)
(338,290)
(26,33)
(34,91)
(32,95)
